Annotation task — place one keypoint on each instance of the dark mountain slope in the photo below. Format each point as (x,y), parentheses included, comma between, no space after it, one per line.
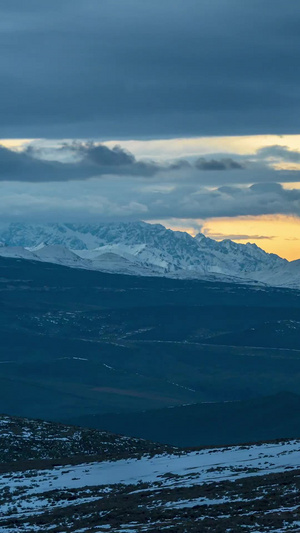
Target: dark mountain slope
(210,424)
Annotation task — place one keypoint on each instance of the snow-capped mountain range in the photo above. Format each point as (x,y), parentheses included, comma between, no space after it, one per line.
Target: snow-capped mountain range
(146,249)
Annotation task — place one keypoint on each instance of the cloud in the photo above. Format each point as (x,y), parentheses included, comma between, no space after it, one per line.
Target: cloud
(94,181)
(130,69)
(238,201)
(221,164)
(91,160)
(237,237)
(266,188)
(83,160)
(101,155)
(113,198)
(279,152)
(19,165)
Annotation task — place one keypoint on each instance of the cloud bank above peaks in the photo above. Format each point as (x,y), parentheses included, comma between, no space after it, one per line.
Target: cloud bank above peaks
(113,198)
(88,180)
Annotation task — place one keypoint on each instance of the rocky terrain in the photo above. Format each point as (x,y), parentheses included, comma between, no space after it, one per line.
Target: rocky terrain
(151,488)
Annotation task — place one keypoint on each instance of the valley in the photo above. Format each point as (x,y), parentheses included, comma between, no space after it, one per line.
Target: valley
(79,344)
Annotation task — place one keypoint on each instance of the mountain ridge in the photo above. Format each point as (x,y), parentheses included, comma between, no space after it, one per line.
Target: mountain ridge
(139,248)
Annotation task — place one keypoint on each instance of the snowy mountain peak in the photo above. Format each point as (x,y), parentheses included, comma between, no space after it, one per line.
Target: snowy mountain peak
(142,248)
(200,237)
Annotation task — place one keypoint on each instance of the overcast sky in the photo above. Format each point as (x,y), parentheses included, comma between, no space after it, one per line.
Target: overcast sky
(152,68)
(148,70)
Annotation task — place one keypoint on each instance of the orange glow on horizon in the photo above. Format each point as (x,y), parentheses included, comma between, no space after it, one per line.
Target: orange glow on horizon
(278,234)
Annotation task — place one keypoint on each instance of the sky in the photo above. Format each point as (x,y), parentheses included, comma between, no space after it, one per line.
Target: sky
(173,111)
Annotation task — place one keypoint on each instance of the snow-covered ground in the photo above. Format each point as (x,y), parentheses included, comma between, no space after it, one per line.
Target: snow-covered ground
(166,470)
(205,482)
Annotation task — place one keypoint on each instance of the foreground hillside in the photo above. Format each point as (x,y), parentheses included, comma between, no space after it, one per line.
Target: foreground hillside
(23,441)
(238,488)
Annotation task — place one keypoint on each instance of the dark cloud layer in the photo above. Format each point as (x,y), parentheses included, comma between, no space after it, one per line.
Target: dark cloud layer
(90,160)
(127,68)
(95,161)
(85,160)
(221,164)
